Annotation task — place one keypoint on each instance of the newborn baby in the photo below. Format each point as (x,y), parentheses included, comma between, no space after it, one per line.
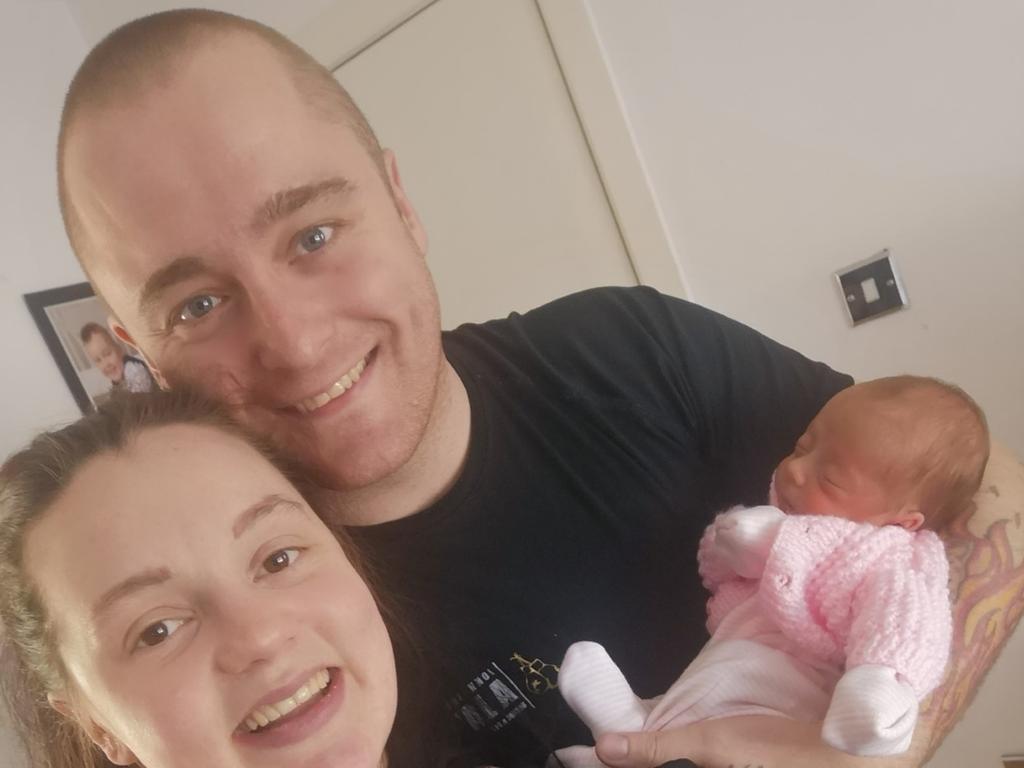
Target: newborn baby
(832,603)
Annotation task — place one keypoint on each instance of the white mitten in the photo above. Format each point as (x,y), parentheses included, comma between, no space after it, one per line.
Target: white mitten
(872,713)
(744,538)
(594,687)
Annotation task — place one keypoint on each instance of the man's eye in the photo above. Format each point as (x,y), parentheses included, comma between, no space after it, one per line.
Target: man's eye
(156,633)
(196,307)
(280,560)
(314,239)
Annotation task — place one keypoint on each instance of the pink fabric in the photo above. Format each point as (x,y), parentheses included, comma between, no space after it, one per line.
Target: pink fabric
(849,593)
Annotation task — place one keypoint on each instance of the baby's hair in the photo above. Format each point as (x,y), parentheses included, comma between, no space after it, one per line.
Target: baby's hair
(30,482)
(95,329)
(943,439)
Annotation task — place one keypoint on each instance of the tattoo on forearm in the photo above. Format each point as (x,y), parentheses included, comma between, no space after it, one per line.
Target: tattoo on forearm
(987,590)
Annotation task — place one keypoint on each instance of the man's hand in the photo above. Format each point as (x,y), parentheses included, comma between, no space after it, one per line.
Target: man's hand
(738,742)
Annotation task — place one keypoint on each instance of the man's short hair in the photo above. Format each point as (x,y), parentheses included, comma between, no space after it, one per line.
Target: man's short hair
(128,62)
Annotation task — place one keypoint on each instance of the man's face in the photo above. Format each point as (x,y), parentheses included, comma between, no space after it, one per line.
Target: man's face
(251,247)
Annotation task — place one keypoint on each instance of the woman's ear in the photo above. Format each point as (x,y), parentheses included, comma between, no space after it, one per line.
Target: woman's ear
(112,747)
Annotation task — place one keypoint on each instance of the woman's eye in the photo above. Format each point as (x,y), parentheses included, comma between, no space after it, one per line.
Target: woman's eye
(280,560)
(196,307)
(156,633)
(314,239)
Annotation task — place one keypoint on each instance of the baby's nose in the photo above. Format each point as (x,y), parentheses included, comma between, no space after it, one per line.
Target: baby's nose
(795,472)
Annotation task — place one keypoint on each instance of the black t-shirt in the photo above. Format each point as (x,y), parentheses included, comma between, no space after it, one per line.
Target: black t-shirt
(608,428)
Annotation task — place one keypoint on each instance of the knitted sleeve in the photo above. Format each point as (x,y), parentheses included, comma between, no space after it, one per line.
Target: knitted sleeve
(901,614)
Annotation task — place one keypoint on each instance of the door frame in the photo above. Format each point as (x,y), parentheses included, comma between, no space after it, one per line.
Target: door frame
(340,33)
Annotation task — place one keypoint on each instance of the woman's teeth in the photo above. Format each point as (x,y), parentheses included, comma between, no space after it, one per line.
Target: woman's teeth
(264,715)
(337,389)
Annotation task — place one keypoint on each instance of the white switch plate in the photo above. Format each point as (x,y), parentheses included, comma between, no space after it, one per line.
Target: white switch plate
(871,288)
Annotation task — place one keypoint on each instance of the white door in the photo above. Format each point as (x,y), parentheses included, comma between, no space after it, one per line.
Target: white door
(470,96)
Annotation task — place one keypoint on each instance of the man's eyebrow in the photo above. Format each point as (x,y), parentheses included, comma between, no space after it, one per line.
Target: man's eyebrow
(260,509)
(286,202)
(132,584)
(178,271)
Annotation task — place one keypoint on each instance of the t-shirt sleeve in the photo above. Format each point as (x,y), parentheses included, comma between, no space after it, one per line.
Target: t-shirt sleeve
(748,397)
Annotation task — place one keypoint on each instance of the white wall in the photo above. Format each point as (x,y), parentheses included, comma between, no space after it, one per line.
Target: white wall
(788,139)
(40,47)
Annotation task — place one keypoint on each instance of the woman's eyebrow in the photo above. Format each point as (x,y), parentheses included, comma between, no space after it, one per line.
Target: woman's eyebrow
(154,576)
(270,503)
(129,586)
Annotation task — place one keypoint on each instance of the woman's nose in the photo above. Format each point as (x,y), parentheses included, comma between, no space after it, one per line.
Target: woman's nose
(250,631)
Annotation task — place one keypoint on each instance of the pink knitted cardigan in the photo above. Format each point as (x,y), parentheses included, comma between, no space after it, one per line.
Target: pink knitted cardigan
(848,593)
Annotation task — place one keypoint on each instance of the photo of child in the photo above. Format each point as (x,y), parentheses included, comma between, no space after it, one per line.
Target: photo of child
(74,323)
(123,370)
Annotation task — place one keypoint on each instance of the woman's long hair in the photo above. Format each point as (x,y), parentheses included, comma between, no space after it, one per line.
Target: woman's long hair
(30,482)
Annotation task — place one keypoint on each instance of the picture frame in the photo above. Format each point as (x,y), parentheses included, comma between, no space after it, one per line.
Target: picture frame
(75,324)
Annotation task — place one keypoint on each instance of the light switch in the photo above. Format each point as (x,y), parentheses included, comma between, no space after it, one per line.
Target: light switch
(871,288)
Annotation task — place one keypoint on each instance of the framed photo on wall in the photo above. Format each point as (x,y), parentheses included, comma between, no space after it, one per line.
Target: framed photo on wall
(75,324)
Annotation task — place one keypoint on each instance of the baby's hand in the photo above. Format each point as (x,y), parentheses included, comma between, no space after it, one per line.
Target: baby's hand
(744,538)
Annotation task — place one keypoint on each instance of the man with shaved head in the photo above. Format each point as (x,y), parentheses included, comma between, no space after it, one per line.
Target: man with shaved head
(521,484)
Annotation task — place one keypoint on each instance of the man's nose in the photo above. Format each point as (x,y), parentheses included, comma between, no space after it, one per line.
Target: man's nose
(287,330)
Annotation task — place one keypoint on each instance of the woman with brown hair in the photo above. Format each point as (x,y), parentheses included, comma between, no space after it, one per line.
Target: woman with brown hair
(169,598)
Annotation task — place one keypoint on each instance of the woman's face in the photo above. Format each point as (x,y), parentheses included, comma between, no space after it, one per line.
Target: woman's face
(195,597)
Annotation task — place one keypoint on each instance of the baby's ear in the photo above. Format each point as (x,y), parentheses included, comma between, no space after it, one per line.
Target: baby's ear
(113,748)
(910,518)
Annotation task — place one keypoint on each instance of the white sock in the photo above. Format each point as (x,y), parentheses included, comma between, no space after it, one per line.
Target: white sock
(595,688)
(872,713)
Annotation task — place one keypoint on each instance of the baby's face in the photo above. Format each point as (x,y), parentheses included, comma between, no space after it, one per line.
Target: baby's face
(106,356)
(837,467)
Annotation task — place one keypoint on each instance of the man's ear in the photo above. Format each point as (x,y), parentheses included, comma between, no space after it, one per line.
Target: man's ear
(403,203)
(114,749)
(910,518)
(122,335)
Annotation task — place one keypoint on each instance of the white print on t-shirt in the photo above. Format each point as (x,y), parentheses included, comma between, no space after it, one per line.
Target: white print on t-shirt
(491,700)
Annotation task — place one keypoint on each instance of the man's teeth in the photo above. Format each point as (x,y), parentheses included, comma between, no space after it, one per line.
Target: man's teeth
(337,389)
(268,713)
